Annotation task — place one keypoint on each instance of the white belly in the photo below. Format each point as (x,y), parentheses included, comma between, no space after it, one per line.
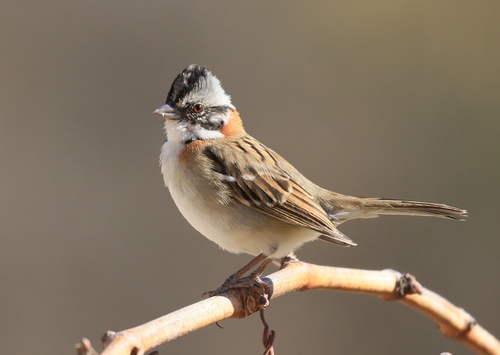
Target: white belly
(234,227)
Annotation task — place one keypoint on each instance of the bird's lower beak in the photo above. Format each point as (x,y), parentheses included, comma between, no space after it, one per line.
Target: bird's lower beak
(167,112)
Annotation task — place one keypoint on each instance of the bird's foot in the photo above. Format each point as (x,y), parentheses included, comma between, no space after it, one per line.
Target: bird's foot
(254,292)
(236,282)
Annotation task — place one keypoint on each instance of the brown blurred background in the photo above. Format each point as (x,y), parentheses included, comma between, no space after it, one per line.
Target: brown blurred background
(389,98)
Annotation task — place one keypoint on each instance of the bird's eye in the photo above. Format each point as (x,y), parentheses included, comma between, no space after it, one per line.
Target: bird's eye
(198,108)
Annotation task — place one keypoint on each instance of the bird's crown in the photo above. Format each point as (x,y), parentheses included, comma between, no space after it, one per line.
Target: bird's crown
(197,84)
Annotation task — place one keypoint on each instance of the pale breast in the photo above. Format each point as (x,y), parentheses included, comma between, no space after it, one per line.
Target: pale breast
(233,226)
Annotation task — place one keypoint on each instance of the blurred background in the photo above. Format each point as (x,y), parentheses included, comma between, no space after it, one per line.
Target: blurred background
(390,98)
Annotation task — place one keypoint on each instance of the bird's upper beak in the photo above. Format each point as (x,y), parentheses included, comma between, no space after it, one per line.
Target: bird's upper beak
(167,112)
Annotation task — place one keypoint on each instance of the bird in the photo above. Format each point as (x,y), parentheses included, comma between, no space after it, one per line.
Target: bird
(244,196)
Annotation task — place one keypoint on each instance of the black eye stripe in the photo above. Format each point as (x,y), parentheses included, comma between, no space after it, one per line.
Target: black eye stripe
(211,118)
(211,126)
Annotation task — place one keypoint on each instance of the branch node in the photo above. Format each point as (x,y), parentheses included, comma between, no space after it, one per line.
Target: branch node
(408,285)
(471,325)
(255,296)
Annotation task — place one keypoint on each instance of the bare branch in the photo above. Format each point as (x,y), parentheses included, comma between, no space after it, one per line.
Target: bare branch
(298,276)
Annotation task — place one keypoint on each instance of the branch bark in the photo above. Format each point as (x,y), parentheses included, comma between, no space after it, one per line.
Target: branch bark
(453,322)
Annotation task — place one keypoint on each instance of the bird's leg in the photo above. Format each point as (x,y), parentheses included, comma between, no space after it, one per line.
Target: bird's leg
(260,269)
(237,280)
(254,262)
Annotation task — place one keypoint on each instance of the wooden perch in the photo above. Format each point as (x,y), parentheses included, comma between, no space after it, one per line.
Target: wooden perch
(299,276)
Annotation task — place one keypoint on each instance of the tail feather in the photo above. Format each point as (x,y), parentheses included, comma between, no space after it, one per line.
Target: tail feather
(353,207)
(416,208)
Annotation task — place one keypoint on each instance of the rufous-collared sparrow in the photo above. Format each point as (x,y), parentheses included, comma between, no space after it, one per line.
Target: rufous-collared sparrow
(244,196)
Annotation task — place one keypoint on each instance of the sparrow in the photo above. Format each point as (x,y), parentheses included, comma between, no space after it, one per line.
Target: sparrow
(244,196)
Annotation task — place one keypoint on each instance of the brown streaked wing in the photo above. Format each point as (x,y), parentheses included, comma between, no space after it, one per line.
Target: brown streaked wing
(256,178)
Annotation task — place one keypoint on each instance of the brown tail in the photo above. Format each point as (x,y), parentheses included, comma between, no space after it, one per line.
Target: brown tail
(344,208)
(416,208)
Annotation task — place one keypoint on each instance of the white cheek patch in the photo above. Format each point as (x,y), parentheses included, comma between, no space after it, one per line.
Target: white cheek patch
(202,133)
(215,120)
(181,131)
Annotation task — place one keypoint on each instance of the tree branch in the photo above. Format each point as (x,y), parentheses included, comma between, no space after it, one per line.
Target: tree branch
(298,276)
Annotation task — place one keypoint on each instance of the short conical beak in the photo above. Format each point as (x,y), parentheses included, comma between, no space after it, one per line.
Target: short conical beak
(167,112)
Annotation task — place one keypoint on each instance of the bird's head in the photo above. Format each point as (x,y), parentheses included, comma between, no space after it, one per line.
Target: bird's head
(197,108)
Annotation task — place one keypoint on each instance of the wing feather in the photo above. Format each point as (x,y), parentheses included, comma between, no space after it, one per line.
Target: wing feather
(259,178)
